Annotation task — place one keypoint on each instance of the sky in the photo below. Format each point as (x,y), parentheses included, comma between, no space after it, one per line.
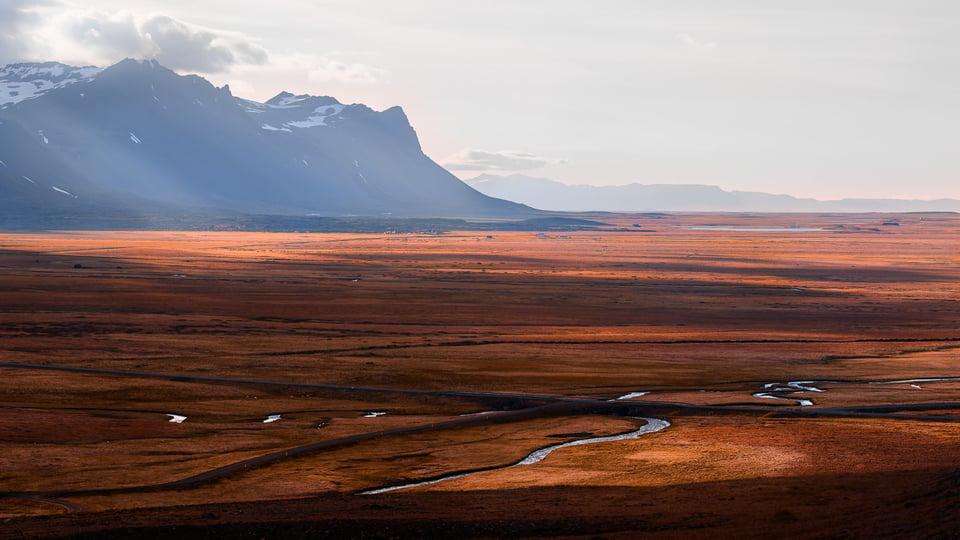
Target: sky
(813,98)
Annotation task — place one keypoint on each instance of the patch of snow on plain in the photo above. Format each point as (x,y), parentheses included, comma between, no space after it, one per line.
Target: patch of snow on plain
(176,418)
(134,138)
(272,418)
(42,136)
(374,414)
(268,127)
(632,395)
(65,192)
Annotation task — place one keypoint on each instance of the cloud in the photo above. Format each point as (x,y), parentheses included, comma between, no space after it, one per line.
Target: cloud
(504,160)
(179,45)
(327,69)
(694,43)
(98,37)
(16,19)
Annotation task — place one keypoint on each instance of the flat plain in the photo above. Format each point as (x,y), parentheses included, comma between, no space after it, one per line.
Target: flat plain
(808,366)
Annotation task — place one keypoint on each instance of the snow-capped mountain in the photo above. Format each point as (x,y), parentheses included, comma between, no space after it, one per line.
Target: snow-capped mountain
(137,135)
(19,82)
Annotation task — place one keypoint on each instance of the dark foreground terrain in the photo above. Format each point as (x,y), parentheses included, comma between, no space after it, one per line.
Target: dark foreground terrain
(806,368)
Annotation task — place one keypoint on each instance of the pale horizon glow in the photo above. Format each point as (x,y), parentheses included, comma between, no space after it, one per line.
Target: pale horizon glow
(818,99)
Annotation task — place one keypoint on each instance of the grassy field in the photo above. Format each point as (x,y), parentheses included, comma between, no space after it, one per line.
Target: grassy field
(228,329)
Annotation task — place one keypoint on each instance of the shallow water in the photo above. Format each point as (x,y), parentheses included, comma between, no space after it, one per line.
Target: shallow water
(731,228)
(652,425)
(801,402)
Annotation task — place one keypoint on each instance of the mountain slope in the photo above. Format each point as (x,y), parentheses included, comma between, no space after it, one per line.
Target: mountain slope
(137,134)
(551,195)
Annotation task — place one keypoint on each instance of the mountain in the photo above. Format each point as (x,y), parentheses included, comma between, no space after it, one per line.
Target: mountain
(137,137)
(551,195)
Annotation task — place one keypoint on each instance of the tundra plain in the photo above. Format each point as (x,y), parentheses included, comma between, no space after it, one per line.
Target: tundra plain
(808,365)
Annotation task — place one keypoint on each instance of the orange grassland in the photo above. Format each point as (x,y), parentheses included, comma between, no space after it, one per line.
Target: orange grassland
(692,316)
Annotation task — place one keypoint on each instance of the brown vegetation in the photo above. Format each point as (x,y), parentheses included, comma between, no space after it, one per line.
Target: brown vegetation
(699,317)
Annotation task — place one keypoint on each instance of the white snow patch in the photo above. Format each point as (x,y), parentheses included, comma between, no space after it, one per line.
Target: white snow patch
(288,102)
(16,91)
(65,192)
(632,395)
(134,138)
(268,127)
(27,178)
(252,106)
(272,418)
(318,118)
(42,136)
(374,414)
(176,418)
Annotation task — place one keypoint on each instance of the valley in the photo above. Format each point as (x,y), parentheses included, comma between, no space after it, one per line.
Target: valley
(796,369)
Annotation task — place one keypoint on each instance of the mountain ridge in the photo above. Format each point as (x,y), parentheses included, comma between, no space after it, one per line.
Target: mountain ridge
(551,195)
(138,134)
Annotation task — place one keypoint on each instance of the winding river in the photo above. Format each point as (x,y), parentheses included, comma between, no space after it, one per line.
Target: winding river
(782,390)
(652,426)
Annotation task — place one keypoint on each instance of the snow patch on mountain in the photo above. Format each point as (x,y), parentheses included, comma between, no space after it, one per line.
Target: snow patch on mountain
(20,82)
(319,117)
(65,192)
(285,111)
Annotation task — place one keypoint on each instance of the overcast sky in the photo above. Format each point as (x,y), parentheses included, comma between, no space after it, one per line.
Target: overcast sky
(822,98)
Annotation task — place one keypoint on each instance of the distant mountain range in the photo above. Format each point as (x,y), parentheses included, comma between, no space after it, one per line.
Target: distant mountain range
(551,195)
(137,138)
